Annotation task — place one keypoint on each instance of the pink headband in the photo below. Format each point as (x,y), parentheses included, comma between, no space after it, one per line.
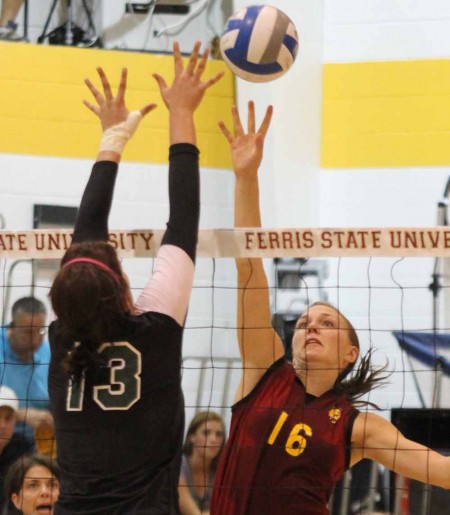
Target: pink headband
(94,262)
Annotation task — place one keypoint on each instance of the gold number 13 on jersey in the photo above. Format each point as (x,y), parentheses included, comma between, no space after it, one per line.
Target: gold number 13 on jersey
(297,439)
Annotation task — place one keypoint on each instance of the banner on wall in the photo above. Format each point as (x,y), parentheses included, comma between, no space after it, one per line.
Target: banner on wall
(247,242)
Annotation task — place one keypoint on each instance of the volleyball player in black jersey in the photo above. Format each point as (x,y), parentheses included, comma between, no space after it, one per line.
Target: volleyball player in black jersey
(114,378)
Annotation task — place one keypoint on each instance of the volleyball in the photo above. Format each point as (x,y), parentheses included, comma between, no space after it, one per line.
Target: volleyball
(259,43)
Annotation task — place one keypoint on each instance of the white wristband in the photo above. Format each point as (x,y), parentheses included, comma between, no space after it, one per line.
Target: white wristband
(115,138)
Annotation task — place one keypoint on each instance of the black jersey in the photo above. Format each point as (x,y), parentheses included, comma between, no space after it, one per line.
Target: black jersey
(119,430)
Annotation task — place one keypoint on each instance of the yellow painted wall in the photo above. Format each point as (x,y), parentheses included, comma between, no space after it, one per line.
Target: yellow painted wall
(386,114)
(41,110)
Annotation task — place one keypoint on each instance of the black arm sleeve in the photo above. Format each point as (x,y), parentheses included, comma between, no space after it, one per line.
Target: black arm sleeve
(184,198)
(92,218)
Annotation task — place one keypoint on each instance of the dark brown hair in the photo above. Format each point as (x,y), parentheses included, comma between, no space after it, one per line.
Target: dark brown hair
(16,474)
(364,378)
(89,303)
(201,418)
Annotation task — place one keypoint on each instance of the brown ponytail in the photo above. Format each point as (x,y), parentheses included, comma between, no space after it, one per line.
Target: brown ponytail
(89,302)
(362,380)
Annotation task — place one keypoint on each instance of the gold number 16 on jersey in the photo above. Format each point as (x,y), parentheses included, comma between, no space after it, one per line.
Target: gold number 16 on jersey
(296,442)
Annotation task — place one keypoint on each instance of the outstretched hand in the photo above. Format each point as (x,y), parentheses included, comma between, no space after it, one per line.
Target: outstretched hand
(187,89)
(111,109)
(246,147)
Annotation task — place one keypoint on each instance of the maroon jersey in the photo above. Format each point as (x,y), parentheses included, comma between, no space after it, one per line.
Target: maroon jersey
(286,449)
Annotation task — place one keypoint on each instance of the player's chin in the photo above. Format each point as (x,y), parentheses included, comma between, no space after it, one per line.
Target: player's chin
(313,350)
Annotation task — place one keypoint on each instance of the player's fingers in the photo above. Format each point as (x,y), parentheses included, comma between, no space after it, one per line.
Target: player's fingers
(160,80)
(238,129)
(201,65)
(266,122)
(177,59)
(225,131)
(122,85)
(95,92)
(92,107)
(251,117)
(259,142)
(147,108)
(190,68)
(105,83)
(210,82)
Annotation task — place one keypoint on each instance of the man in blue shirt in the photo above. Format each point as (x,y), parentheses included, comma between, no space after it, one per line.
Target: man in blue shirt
(24,360)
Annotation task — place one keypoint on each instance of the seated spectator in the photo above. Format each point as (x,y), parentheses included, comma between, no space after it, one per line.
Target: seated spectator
(8,14)
(11,446)
(31,486)
(204,442)
(24,360)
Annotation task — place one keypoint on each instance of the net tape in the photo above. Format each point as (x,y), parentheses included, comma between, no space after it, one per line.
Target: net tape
(248,242)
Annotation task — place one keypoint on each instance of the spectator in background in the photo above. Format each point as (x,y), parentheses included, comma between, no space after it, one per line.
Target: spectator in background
(31,486)
(8,26)
(24,360)
(204,442)
(11,447)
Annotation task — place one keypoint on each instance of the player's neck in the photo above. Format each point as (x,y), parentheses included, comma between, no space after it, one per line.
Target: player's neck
(317,382)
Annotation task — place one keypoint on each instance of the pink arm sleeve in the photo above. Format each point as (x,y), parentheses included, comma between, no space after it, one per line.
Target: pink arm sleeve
(169,289)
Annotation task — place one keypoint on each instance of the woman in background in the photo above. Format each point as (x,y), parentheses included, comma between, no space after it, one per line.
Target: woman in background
(31,486)
(203,444)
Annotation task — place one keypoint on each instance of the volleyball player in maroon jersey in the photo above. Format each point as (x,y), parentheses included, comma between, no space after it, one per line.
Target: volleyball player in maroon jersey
(294,427)
(114,378)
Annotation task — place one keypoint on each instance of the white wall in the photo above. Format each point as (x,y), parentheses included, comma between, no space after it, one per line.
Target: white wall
(385,30)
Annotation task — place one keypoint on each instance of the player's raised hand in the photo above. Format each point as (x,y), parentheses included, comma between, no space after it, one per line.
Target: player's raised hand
(187,89)
(246,148)
(110,109)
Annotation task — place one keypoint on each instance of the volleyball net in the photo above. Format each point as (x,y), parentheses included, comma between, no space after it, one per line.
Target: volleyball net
(391,283)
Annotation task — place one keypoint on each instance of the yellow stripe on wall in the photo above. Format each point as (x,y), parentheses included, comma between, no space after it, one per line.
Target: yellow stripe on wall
(41,110)
(386,114)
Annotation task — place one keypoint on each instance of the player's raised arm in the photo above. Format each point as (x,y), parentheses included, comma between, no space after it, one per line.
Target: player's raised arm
(169,289)
(99,340)
(259,344)
(118,126)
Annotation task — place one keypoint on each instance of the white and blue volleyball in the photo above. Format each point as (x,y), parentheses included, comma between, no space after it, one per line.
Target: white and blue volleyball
(259,43)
